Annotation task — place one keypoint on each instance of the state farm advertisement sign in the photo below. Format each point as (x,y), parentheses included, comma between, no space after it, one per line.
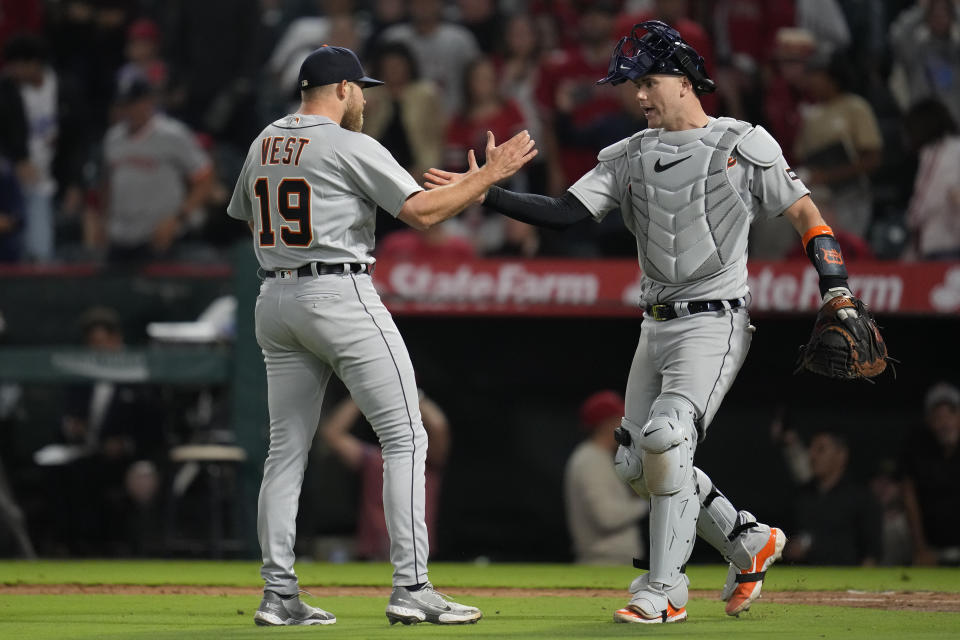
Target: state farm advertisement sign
(612,287)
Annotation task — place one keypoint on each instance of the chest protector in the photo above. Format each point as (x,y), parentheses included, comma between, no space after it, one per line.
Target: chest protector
(689,220)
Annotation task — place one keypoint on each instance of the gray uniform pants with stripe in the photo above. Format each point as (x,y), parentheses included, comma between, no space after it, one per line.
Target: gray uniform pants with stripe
(695,357)
(309,328)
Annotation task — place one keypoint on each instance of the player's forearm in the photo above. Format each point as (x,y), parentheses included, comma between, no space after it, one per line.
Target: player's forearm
(427,208)
(541,211)
(820,244)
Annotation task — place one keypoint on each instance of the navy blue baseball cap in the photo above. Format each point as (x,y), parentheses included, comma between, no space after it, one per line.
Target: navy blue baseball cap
(330,65)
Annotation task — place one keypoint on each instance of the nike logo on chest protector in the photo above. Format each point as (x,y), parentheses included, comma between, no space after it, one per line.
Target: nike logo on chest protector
(659,168)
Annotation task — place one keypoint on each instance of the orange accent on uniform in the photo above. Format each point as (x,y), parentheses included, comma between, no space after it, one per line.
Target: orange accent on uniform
(302,142)
(672,614)
(288,150)
(275,150)
(731,161)
(813,232)
(264,150)
(832,256)
(745,591)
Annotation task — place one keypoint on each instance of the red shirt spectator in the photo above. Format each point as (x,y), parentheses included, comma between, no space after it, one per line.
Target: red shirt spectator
(485,109)
(19,16)
(467,132)
(557,18)
(580,74)
(748,27)
(783,89)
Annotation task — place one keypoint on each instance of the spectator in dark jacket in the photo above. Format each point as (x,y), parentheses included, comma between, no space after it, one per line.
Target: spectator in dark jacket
(839,520)
(931,470)
(11,214)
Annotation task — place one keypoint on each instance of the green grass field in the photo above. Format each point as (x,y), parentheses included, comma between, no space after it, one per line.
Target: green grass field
(122,615)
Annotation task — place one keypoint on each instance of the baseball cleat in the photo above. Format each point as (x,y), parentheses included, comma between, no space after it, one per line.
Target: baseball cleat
(428,605)
(631,613)
(743,586)
(275,611)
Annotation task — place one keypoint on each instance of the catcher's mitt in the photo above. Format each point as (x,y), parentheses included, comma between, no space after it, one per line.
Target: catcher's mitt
(845,342)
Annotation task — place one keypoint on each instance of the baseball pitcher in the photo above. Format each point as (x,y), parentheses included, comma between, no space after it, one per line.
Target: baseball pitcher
(309,190)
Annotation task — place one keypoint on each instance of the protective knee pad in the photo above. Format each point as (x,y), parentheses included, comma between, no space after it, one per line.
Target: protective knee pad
(629,467)
(667,442)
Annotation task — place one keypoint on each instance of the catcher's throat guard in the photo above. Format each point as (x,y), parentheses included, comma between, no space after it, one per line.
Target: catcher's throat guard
(661,50)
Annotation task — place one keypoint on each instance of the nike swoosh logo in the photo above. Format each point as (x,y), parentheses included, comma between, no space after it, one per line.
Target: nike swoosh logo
(663,167)
(653,431)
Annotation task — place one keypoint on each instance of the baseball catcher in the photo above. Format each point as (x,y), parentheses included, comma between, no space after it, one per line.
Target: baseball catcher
(688,187)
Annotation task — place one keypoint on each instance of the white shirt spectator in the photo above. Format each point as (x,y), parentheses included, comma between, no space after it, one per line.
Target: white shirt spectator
(934,212)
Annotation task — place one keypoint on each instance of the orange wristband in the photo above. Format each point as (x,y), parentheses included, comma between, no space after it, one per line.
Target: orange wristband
(813,232)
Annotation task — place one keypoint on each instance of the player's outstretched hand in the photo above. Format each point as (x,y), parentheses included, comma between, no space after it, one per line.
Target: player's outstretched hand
(504,161)
(509,157)
(439,178)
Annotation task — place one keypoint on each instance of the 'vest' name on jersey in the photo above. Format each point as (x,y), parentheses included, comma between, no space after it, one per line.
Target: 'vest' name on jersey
(282,150)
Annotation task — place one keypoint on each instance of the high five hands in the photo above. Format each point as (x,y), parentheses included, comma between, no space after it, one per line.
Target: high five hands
(502,162)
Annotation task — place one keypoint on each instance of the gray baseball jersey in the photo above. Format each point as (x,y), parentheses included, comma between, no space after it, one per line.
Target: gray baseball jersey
(311,189)
(689,197)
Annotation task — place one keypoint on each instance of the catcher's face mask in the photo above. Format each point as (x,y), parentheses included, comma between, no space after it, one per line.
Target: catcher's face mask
(660,50)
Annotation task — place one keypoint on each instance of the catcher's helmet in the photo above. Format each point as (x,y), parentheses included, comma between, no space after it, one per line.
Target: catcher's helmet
(659,50)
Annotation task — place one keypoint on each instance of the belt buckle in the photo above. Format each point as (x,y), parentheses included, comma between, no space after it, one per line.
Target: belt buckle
(660,311)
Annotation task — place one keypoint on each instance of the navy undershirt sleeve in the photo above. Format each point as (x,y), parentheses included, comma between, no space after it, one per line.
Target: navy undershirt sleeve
(541,211)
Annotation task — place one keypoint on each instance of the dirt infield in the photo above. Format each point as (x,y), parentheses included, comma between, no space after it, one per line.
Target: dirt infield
(890,600)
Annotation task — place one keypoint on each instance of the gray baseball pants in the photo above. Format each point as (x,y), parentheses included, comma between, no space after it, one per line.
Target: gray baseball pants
(309,328)
(697,358)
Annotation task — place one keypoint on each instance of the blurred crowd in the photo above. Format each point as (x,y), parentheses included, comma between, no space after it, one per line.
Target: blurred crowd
(898,510)
(123,123)
(902,511)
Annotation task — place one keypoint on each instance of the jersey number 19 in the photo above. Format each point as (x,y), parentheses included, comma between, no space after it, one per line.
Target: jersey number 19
(293,205)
